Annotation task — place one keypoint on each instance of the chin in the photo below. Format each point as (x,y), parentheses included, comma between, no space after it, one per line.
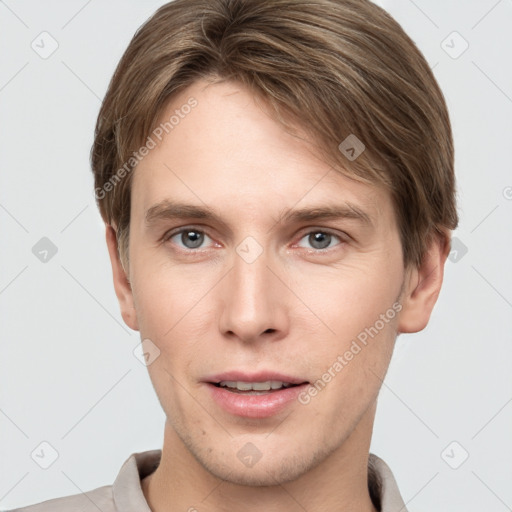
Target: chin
(266,475)
(267,472)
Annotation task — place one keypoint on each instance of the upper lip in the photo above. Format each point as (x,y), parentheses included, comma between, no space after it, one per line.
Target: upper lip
(262,376)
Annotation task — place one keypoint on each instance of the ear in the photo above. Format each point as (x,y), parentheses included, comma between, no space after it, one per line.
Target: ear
(422,286)
(121,283)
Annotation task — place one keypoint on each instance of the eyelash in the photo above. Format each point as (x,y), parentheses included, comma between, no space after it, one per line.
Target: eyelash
(342,238)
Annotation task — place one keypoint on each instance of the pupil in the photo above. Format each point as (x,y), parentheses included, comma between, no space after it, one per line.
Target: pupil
(320,240)
(192,239)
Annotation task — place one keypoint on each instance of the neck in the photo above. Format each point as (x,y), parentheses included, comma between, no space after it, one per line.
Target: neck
(338,482)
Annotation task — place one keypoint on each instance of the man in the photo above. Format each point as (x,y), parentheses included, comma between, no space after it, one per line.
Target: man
(276,179)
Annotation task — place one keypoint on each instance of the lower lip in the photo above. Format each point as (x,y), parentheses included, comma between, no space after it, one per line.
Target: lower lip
(255,406)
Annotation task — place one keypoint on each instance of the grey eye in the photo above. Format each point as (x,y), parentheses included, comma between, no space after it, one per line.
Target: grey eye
(191,238)
(319,239)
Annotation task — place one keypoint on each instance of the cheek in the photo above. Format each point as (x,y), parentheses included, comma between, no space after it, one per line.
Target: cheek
(175,312)
(350,371)
(166,296)
(346,301)
(353,343)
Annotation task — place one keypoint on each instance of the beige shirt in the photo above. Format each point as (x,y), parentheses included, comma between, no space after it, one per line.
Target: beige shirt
(126,495)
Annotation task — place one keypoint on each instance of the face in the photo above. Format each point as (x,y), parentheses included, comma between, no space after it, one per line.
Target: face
(251,260)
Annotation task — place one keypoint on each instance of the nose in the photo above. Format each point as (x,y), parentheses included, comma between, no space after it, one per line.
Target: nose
(253,301)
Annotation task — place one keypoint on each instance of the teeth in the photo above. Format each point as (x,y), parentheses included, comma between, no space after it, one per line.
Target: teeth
(254,386)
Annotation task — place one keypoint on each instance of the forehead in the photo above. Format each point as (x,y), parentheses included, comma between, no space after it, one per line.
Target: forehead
(227,151)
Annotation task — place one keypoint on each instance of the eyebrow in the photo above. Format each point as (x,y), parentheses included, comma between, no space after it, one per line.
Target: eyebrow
(169,210)
(342,211)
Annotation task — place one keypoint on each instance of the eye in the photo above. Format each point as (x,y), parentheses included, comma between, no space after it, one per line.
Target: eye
(190,238)
(320,239)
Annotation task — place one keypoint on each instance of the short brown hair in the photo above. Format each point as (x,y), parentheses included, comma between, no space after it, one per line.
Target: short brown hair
(335,67)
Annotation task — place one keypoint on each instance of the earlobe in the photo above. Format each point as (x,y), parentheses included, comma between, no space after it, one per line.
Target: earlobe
(422,286)
(121,282)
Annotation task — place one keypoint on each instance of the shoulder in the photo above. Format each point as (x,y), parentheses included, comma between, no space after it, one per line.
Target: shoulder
(90,501)
(124,494)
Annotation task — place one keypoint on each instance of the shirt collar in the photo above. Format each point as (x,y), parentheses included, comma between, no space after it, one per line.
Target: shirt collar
(386,486)
(128,495)
(127,490)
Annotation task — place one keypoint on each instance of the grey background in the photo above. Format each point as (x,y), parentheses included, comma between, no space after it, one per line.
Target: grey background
(69,376)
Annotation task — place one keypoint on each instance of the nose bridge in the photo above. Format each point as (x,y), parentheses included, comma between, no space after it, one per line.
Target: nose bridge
(253,302)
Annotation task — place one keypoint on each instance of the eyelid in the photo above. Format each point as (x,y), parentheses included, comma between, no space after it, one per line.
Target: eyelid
(342,236)
(176,231)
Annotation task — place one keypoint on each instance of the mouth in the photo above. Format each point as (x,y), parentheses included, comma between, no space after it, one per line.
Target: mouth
(254,388)
(259,395)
